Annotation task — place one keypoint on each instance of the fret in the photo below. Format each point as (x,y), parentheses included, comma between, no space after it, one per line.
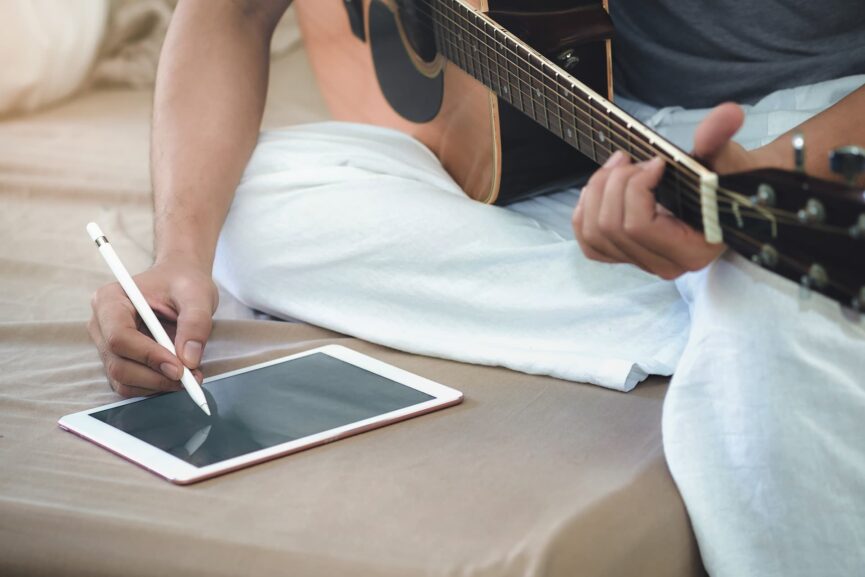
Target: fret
(554,105)
(617,139)
(504,69)
(538,95)
(485,61)
(494,56)
(526,89)
(678,193)
(444,40)
(472,53)
(460,41)
(584,128)
(609,133)
(629,132)
(513,73)
(569,116)
(464,43)
(501,79)
(600,144)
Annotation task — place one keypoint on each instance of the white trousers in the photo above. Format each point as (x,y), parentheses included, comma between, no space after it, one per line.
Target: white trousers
(359,229)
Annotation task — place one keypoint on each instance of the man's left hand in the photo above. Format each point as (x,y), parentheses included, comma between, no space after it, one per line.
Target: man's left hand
(617,219)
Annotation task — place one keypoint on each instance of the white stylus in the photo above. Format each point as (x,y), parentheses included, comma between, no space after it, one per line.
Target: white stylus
(107,251)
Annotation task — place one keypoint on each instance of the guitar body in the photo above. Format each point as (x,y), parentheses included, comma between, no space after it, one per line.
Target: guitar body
(376,62)
(514,96)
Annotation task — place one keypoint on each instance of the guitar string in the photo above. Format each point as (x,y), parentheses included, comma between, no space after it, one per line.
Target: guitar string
(620,128)
(781,215)
(796,264)
(735,232)
(651,152)
(624,135)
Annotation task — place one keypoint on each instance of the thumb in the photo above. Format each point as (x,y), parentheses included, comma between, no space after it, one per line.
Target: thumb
(195,306)
(716,130)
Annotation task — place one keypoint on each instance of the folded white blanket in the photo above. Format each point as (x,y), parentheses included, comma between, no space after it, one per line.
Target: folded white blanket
(360,230)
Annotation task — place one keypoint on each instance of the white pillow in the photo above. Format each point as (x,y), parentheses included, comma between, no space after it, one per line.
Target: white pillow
(46,49)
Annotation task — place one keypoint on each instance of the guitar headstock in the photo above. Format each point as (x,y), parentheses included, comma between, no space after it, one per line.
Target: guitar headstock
(806,229)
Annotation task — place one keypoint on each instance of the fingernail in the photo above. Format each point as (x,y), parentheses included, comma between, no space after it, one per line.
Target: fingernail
(192,353)
(614,159)
(170,371)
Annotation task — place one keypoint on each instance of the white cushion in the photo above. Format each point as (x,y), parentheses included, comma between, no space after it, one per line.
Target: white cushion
(46,49)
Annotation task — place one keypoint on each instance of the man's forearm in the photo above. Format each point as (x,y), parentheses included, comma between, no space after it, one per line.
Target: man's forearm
(839,125)
(210,94)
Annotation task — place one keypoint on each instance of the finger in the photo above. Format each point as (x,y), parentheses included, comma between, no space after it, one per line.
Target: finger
(121,337)
(587,250)
(195,305)
(124,374)
(669,249)
(716,130)
(594,192)
(639,181)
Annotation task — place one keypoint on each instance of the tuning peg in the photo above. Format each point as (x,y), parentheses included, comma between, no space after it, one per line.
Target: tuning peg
(857,231)
(767,257)
(799,152)
(817,277)
(858,303)
(848,161)
(813,213)
(765,196)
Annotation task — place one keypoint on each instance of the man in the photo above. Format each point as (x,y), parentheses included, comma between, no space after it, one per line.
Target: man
(358,229)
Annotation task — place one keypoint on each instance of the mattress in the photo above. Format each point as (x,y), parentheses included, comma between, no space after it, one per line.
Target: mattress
(529,476)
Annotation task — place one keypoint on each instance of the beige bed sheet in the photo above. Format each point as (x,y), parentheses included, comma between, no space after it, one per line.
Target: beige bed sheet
(529,476)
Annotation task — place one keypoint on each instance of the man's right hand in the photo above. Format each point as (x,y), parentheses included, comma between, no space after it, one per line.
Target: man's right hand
(184,298)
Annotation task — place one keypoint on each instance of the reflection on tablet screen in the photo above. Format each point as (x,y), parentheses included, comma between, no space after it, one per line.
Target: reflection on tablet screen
(261,408)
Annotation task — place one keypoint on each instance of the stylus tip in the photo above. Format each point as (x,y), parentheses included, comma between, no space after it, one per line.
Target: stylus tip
(205,408)
(94,231)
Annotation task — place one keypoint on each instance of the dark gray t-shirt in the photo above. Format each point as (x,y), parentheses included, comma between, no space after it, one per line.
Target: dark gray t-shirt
(699,53)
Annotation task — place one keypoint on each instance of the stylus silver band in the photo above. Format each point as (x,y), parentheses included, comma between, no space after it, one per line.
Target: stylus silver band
(101,240)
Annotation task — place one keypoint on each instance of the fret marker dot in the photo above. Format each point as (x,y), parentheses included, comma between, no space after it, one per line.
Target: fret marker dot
(505,89)
(602,137)
(537,92)
(570,133)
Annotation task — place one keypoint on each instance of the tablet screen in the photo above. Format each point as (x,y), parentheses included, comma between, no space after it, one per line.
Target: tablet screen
(261,408)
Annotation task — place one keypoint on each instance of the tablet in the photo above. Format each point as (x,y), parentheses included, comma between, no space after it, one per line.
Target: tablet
(260,412)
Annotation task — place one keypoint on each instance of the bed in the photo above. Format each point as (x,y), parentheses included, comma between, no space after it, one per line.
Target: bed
(529,476)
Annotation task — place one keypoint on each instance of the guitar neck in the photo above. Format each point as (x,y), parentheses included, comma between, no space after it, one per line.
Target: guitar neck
(559,102)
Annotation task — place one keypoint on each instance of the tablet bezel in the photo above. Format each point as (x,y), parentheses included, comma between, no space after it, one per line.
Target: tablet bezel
(182,473)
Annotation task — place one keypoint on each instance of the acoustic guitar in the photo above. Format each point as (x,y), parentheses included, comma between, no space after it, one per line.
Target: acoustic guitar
(515,97)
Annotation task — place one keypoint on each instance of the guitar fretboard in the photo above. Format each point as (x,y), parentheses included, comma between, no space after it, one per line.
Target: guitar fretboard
(554,99)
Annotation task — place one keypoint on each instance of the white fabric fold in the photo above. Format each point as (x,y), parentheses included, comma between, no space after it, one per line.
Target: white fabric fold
(359,229)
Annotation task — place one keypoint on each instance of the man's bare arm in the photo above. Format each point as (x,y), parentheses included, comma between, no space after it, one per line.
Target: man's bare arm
(209,100)
(210,94)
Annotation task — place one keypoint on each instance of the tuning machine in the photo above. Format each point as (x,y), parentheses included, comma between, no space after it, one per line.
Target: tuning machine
(799,152)
(767,257)
(848,161)
(858,303)
(813,213)
(817,278)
